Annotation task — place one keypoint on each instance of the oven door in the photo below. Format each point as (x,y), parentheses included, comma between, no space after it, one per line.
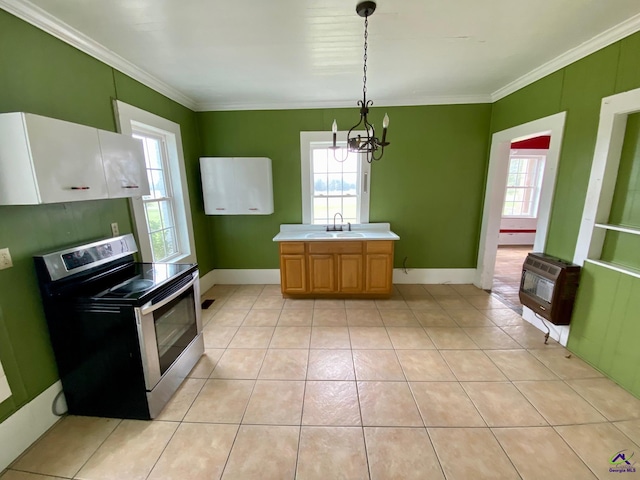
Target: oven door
(166,328)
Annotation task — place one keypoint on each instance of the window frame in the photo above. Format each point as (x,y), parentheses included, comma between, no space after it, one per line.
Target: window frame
(129,120)
(307,140)
(541,159)
(141,131)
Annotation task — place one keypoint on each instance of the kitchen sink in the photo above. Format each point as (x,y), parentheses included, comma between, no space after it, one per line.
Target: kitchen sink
(319,235)
(350,234)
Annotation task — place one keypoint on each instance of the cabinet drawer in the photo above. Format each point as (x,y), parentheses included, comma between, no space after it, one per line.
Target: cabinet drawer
(335,247)
(380,246)
(291,247)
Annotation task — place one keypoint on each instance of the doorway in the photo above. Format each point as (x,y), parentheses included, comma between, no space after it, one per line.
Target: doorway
(496,187)
(519,221)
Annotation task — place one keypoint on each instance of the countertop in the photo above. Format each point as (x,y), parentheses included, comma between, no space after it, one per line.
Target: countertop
(318,233)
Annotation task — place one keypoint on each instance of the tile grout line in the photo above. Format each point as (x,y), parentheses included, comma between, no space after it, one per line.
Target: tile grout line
(235,438)
(304,395)
(355,377)
(574,451)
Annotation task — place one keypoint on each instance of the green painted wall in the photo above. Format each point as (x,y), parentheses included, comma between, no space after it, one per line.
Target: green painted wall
(606,328)
(604,331)
(429,185)
(42,75)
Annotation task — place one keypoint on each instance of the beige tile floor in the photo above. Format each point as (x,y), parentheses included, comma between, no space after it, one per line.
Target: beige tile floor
(437,382)
(507,273)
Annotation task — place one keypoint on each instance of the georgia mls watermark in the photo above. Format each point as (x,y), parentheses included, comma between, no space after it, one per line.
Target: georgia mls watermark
(620,462)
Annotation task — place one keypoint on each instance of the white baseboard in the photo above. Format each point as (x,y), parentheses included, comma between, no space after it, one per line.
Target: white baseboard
(524,239)
(434,275)
(272,276)
(28,424)
(248,276)
(207,281)
(560,333)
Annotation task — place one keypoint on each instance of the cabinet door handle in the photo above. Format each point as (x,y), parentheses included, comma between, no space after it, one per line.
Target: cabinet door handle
(220,208)
(255,209)
(130,186)
(366,181)
(80,188)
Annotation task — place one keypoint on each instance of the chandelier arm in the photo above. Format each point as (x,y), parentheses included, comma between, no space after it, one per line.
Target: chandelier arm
(371,134)
(351,141)
(341,159)
(379,157)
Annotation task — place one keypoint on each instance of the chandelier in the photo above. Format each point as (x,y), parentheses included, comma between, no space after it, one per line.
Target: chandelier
(369,145)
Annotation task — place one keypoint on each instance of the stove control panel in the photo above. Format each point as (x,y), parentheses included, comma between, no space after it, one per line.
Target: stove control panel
(83,257)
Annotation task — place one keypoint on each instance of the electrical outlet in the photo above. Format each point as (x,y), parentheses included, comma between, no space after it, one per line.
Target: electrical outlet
(115,231)
(5,259)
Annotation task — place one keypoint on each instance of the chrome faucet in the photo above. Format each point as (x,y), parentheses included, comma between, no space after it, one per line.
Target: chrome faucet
(338,228)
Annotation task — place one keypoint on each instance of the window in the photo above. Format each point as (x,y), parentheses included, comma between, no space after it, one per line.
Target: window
(163,218)
(523,186)
(329,186)
(158,206)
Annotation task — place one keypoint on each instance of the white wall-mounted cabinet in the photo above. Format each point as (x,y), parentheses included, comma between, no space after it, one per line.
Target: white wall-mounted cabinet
(45,160)
(124,167)
(237,185)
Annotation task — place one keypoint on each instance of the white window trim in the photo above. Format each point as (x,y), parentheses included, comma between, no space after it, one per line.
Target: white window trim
(364,180)
(5,391)
(126,115)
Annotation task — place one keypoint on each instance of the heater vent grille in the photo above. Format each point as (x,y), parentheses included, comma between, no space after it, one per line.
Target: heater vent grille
(548,287)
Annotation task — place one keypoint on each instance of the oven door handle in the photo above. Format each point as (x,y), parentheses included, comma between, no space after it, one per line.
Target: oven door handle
(149,307)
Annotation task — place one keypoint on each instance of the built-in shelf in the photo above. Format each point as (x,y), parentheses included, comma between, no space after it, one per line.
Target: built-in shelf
(634,272)
(619,228)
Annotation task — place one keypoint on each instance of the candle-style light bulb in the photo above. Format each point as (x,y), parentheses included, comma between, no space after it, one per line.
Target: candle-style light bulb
(385,125)
(334,130)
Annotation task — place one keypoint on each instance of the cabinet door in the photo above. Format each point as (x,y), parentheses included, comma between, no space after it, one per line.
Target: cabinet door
(66,159)
(218,185)
(378,273)
(124,165)
(322,278)
(350,273)
(294,273)
(254,186)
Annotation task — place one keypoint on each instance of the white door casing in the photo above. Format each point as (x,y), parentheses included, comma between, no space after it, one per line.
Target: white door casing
(552,125)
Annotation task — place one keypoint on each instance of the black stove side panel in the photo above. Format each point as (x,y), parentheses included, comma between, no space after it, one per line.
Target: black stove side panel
(98,356)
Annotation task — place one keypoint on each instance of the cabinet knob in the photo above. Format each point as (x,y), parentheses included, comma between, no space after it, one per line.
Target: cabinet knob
(80,188)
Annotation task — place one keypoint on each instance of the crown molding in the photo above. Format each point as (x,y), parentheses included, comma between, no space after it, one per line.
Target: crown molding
(38,17)
(604,39)
(416,101)
(41,19)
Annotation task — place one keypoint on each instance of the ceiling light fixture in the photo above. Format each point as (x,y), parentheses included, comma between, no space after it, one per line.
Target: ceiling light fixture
(370,145)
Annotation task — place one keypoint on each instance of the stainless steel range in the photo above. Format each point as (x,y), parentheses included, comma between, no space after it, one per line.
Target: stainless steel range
(125,334)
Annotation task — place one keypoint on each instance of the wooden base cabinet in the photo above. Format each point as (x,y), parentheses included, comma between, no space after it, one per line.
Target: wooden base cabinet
(336,269)
(379,268)
(293,268)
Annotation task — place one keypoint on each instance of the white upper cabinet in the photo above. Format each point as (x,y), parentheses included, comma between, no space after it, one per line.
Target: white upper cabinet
(124,167)
(237,186)
(45,160)
(218,186)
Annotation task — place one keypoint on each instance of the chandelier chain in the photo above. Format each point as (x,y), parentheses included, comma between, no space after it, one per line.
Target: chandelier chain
(366,35)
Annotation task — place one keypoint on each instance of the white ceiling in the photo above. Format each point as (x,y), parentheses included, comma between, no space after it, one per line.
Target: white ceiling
(261,54)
